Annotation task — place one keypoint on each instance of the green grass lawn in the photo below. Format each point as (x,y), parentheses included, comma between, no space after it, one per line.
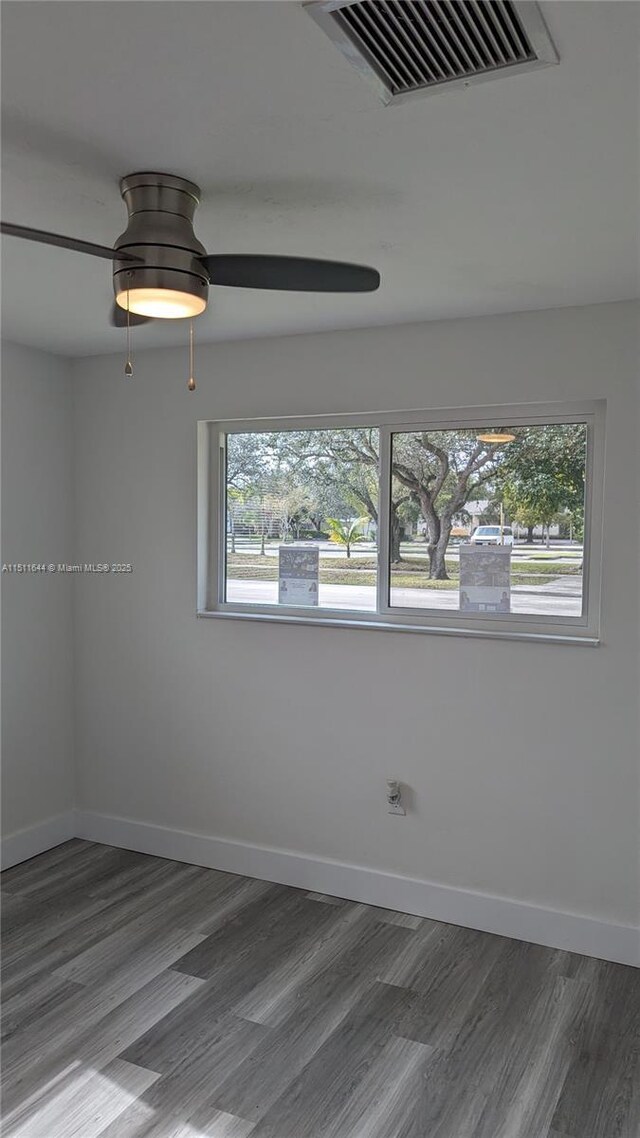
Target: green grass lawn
(411,573)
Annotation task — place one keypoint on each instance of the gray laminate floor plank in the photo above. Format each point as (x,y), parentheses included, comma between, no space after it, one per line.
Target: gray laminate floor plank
(206,897)
(184,894)
(323,1092)
(35,957)
(322,1004)
(383,1095)
(214,1124)
(56,931)
(33,925)
(240,959)
(48,993)
(145,885)
(602,1087)
(325,899)
(374,954)
(81,872)
(138,1121)
(526,1089)
(145,998)
(258,938)
(387,916)
(19,877)
(87,1105)
(198,1075)
(142,1121)
(181,1033)
(448,978)
(144,945)
(270,1000)
(481,1051)
(38,1062)
(390,917)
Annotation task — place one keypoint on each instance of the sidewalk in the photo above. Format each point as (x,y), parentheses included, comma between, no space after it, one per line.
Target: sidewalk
(540,600)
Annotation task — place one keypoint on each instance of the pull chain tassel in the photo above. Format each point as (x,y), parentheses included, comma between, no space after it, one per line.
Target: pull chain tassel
(192,383)
(128,367)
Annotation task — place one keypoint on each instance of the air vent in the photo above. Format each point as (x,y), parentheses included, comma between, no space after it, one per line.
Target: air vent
(410,47)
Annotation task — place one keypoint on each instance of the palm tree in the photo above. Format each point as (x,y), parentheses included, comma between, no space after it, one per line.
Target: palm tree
(345,533)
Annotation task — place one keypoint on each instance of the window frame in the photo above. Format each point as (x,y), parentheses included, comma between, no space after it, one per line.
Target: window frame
(211,520)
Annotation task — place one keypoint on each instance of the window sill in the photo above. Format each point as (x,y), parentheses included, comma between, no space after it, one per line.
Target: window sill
(397,626)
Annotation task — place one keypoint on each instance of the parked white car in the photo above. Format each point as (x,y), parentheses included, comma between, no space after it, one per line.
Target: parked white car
(490,535)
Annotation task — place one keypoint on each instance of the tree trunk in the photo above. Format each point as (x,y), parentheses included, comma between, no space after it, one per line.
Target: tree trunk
(437,567)
(437,553)
(262,549)
(529,535)
(394,552)
(348,547)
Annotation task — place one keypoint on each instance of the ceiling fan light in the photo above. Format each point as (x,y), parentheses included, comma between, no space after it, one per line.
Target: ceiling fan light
(161,303)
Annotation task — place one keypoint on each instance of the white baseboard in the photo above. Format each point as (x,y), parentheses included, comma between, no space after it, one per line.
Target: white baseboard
(515,919)
(36,839)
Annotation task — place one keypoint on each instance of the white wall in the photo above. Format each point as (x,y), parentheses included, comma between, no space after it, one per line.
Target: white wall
(38,777)
(522,757)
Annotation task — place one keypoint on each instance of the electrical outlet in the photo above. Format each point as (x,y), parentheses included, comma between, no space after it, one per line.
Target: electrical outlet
(394,797)
(396,808)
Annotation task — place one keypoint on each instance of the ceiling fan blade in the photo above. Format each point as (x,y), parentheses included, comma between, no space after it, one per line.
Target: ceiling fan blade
(62,242)
(118,317)
(298,274)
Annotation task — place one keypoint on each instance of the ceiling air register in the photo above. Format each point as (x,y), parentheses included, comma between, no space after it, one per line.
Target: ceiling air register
(411,47)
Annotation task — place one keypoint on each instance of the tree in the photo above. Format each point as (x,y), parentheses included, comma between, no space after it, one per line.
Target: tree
(246,460)
(543,475)
(434,473)
(296,504)
(346,533)
(265,513)
(332,473)
(442,470)
(525,515)
(235,512)
(355,463)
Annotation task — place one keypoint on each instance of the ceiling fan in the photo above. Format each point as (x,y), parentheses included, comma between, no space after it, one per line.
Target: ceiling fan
(161,270)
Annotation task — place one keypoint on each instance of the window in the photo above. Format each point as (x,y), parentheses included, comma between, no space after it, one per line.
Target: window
(301,518)
(484,522)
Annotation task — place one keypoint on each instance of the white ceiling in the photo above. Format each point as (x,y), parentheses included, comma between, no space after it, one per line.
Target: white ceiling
(516,194)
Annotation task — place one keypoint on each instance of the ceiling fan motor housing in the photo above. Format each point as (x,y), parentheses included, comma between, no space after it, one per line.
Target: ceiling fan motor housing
(160,231)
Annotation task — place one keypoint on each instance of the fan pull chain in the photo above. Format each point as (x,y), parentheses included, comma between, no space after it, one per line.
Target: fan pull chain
(128,367)
(192,383)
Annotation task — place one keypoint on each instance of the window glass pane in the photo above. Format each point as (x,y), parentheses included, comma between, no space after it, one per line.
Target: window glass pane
(302,518)
(489,521)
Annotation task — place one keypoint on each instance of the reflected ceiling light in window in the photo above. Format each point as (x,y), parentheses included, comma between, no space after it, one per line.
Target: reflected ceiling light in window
(496,437)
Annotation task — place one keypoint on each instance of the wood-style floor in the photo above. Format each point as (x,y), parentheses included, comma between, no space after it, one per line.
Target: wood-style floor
(149,999)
